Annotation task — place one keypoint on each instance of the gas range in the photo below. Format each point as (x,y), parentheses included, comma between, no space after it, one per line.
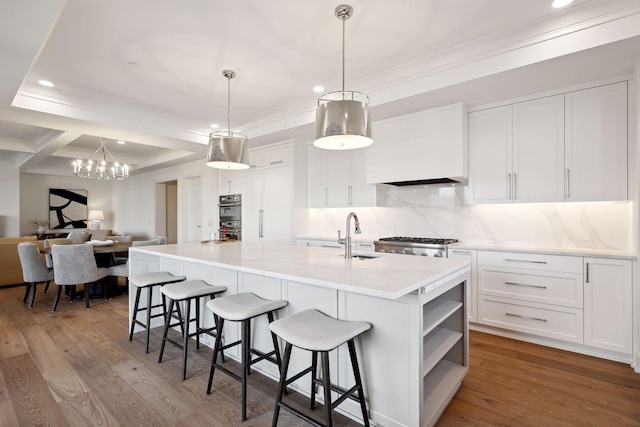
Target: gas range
(424,246)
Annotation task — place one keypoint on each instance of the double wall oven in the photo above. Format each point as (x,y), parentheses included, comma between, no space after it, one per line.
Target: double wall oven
(230,212)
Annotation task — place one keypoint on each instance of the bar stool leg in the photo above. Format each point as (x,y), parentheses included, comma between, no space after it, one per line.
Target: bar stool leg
(314,370)
(197,323)
(281,384)
(166,329)
(135,313)
(185,341)
(357,377)
(148,331)
(246,334)
(216,347)
(327,387)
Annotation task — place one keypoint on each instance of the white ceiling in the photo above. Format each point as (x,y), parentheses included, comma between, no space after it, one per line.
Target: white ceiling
(150,72)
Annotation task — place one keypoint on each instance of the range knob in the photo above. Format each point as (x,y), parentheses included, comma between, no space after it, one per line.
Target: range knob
(438,255)
(393,251)
(424,253)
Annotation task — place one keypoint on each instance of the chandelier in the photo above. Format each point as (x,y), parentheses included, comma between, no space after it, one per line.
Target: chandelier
(101,165)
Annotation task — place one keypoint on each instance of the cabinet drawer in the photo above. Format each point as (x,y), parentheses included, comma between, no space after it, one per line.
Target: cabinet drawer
(528,261)
(275,155)
(561,323)
(563,289)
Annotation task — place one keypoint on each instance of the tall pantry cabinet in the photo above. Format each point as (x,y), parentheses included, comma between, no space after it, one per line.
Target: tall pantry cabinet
(267,195)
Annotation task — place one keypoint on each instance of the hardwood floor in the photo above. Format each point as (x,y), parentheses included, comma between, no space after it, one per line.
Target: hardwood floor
(76,367)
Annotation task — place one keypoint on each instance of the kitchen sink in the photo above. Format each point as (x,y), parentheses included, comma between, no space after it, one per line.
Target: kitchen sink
(364,256)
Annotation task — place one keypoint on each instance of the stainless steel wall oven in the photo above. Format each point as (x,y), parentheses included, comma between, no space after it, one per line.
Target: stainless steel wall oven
(230,212)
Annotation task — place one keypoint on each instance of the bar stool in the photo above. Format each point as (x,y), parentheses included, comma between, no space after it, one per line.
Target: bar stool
(314,331)
(185,292)
(242,308)
(149,281)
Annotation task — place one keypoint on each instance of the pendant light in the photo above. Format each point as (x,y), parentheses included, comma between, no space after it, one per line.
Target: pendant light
(228,150)
(342,118)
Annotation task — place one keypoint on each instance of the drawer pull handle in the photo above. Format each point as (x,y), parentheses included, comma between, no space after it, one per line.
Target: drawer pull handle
(461,252)
(526,317)
(523,284)
(526,260)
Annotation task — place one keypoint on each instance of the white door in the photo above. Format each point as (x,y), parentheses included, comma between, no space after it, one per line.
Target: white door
(596,143)
(490,136)
(194,209)
(538,150)
(608,303)
(277,204)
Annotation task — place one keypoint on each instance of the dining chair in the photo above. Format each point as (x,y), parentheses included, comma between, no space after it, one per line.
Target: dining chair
(48,243)
(120,257)
(34,270)
(122,269)
(79,236)
(75,265)
(162,240)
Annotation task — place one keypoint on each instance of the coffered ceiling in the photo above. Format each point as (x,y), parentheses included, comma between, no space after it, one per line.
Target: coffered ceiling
(149,72)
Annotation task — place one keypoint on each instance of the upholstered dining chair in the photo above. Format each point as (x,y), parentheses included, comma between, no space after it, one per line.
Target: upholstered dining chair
(75,265)
(162,240)
(48,243)
(34,270)
(79,236)
(122,269)
(120,258)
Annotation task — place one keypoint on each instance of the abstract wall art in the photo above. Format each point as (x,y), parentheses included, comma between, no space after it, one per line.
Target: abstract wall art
(67,208)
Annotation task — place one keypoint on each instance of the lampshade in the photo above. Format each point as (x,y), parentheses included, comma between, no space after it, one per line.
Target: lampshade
(342,118)
(228,150)
(95,216)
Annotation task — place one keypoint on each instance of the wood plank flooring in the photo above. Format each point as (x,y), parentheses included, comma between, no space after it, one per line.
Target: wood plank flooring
(76,367)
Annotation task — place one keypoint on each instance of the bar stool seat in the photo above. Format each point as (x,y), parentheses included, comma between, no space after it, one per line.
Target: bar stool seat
(149,281)
(185,292)
(242,308)
(314,331)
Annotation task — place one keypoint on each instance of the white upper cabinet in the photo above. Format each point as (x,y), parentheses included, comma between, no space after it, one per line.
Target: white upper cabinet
(490,155)
(430,144)
(337,178)
(516,152)
(538,150)
(596,143)
(229,181)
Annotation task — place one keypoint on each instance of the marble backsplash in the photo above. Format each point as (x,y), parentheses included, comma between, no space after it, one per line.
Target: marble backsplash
(440,211)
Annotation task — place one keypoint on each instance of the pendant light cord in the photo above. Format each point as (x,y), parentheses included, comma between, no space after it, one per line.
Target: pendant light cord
(229,105)
(343,49)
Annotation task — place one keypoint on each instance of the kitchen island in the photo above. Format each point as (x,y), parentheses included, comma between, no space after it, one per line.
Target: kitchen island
(414,357)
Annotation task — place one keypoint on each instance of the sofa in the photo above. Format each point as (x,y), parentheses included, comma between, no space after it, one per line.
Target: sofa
(10,267)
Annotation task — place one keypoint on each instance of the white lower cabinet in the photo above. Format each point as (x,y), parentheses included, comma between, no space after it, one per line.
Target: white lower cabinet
(608,304)
(568,298)
(472,295)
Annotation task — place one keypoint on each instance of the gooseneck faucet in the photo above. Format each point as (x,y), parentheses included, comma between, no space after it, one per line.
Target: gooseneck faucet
(347,239)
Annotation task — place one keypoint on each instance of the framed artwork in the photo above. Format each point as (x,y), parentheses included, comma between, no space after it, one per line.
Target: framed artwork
(67,208)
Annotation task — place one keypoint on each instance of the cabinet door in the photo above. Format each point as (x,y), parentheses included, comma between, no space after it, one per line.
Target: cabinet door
(318,160)
(538,150)
(472,294)
(490,155)
(361,194)
(229,181)
(607,304)
(251,204)
(596,143)
(277,204)
(338,178)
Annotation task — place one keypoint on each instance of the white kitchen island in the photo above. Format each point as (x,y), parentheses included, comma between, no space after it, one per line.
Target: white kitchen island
(414,357)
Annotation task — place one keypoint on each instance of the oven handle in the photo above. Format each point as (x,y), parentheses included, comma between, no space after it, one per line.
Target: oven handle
(225,205)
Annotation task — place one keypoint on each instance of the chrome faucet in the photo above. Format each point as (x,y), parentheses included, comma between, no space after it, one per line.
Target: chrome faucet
(347,240)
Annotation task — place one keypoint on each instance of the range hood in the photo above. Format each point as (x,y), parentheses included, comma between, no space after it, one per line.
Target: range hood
(425,148)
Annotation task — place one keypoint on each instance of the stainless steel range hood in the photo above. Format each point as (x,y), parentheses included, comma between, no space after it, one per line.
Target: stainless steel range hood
(429,181)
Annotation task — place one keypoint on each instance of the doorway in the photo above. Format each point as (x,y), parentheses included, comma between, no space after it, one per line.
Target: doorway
(167,210)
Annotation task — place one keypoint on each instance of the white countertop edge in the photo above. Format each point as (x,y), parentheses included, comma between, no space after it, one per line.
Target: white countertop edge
(598,253)
(429,283)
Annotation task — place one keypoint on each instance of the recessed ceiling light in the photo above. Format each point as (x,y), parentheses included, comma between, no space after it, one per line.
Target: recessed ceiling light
(121,142)
(561,3)
(46,83)
(214,126)
(318,89)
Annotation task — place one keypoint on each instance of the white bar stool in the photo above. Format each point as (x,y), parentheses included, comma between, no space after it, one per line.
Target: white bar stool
(314,331)
(149,281)
(242,308)
(186,292)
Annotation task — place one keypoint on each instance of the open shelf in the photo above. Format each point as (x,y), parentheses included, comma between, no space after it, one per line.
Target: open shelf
(436,311)
(439,387)
(436,345)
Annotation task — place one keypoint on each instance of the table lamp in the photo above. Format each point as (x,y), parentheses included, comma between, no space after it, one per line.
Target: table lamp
(96,217)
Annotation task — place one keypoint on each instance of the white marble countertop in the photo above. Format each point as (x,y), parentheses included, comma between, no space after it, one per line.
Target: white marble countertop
(601,253)
(387,276)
